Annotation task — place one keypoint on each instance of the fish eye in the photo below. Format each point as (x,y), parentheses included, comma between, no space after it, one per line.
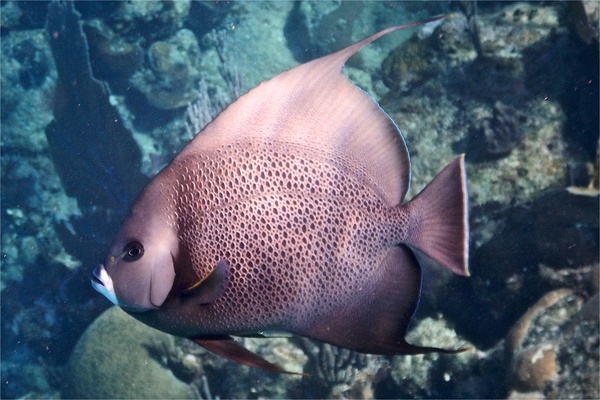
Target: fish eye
(133,251)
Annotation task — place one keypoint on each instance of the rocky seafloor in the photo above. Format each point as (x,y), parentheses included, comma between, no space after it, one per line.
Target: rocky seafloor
(96,98)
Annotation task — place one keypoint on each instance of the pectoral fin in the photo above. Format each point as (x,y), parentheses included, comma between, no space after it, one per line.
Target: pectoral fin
(210,288)
(227,347)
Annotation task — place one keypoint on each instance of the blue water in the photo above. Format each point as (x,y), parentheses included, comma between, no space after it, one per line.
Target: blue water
(94,102)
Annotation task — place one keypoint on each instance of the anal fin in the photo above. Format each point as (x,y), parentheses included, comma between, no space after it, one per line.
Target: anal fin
(377,319)
(227,347)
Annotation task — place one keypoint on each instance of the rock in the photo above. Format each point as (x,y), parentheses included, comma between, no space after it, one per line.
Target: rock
(583,19)
(9,17)
(451,92)
(170,81)
(410,64)
(438,375)
(116,358)
(550,243)
(497,136)
(111,57)
(595,278)
(515,395)
(157,19)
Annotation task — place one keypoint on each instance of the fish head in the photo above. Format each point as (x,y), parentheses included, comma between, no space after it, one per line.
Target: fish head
(139,272)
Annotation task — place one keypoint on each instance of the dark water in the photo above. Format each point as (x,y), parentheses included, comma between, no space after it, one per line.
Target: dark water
(94,103)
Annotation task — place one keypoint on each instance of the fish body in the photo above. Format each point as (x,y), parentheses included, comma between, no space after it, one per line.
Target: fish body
(285,214)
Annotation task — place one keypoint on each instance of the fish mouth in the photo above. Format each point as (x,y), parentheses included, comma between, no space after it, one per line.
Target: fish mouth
(103,284)
(96,280)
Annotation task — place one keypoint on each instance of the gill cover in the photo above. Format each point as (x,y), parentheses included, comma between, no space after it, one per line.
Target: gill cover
(138,279)
(140,271)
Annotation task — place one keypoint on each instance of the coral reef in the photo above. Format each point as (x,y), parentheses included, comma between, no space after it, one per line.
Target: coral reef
(522,258)
(462,94)
(514,85)
(553,350)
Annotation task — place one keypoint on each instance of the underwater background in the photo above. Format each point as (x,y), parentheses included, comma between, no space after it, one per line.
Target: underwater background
(97,97)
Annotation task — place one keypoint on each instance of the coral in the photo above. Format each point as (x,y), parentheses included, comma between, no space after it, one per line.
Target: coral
(154,20)
(28,79)
(9,17)
(232,380)
(111,56)
(335,28)
(442,375)
(469,9)
(202,110)
(169,82)
(229,68)
(462,94)
(116,358)
(258,62)
(207,106)
(34,378)
(95,155)
(34,324)
(583,19)
(86,129)
(410,64)
(526,247)
(534,368)
(517,222)
(536,60)
(334,372)
(516,395)
(578,355)
(554,349)
(323,27)
(35,207)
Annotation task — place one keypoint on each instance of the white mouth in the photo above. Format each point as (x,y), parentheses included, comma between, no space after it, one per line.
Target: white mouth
(103,284)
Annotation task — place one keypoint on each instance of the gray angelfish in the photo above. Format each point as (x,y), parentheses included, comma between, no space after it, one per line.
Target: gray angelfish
(285,214)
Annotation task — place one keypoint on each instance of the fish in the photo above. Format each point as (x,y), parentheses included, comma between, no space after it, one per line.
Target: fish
(286,214)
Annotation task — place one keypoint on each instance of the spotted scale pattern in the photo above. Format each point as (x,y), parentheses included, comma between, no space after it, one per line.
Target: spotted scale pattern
(301,230)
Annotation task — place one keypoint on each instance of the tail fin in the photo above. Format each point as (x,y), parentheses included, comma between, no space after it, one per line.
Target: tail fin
(439,219)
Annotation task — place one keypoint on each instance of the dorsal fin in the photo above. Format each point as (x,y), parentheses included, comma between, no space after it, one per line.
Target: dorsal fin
(315,106)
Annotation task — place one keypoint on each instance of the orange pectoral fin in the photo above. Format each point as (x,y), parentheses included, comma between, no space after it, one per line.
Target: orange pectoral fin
(227,347)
